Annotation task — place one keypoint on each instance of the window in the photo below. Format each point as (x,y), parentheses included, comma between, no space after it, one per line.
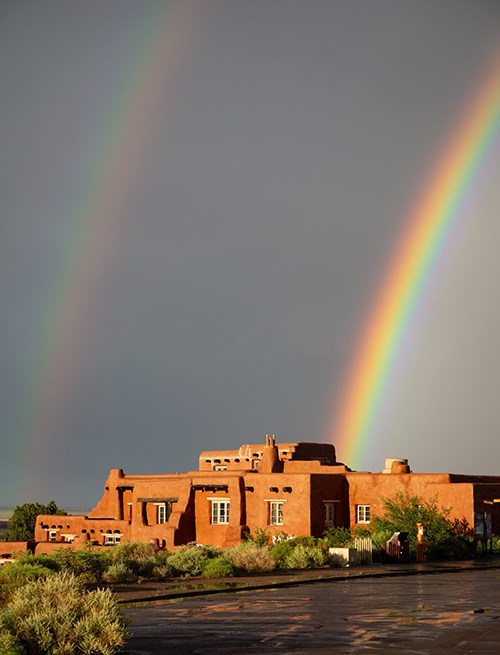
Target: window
(362,513)
(112,539)
(163,511)
(220,512)
(329,513)
(52,535)
(276,512)
(220,467)
(68,538)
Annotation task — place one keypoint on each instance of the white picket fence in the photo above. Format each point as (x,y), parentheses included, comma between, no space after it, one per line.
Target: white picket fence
(364,547)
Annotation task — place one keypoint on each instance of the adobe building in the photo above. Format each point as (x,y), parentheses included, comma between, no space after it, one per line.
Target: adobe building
(292,488)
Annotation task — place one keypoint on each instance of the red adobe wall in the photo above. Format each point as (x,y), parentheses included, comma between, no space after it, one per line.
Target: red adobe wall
(293,490)
(372,488)
(328,488)
(8,548)
(296,474)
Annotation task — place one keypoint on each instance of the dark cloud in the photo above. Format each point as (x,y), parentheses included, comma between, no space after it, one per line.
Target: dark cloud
(252,239)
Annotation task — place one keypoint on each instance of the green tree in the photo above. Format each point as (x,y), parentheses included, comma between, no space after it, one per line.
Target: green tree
(23,520)
(402,513)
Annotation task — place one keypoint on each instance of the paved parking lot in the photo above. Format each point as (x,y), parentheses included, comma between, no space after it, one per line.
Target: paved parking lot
(419,614)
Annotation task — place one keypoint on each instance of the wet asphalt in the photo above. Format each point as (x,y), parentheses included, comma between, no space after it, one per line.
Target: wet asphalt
(451,612)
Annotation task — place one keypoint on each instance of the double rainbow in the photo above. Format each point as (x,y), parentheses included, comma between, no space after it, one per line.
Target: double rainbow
(429,225)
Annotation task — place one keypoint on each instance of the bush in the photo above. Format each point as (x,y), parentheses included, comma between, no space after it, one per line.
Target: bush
(162,571)
(451,548)
(281,551)
(119,572)
(27,559)
(57,617)
(188,561)
(251,558)
(87,564)
(218,567)
(403,512)
(9,645)
(337,537)
(259,537)
(19,573)
(379,540)
(132,550)
(306,557)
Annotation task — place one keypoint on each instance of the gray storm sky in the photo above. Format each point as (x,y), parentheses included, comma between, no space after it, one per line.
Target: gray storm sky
(263,211)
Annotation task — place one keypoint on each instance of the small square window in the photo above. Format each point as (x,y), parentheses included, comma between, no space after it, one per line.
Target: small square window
(220,512)
(362,513)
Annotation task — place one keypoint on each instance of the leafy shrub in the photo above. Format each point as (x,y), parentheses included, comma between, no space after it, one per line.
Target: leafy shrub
(337,537)
(56,616)
(251,558)
(218,567)
(189,560)
(88,565)
(162,571)
(454,547)
(38,560)
(306,557)
(259,537)
(19,573)
(16,575)
(119,572)
(9,645)
(132,550)
(280,551)
(212,551)
(379,540)
(403,512)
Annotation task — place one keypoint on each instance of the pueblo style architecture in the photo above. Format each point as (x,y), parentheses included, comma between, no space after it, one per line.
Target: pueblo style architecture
(292,488)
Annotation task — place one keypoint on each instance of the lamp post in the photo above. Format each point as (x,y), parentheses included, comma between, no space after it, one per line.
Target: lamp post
(420,543)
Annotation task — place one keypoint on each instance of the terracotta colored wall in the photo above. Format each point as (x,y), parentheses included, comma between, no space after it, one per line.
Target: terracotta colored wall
(7,548)
(328,488)
(128,508)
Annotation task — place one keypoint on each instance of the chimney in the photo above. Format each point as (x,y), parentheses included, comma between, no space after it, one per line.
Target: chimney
(271,462)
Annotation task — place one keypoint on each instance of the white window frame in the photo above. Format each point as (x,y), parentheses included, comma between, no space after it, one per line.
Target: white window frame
(276,508)
(161,513)
(329,509)
(52,535)
(112,539)
(220,467)
(219,511)
(363,514)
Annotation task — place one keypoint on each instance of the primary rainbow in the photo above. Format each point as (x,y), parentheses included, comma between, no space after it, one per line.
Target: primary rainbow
(429,225)
(119,147)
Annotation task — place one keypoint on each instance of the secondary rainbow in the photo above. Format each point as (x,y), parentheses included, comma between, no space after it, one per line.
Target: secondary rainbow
(430,223)
(119,147)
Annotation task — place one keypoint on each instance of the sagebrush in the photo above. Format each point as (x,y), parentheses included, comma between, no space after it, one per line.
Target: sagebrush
(57,616)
